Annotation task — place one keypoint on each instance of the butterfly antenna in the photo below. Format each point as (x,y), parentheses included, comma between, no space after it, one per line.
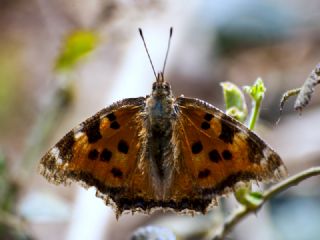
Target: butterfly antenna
(145,46)
(168,48)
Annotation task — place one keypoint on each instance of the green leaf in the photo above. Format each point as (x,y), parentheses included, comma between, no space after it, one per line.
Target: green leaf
(256,92)
(241,191)
(234,101)
(247,198)
(254,199)
(76,45)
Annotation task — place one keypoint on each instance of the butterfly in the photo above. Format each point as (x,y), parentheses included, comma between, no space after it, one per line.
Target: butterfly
(159,151)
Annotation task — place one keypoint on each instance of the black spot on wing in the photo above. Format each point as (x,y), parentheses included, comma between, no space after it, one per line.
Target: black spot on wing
(196,147)
(92,130)
(205,125)
(123,147)
(227,130)
(111,117)
(226,154)
(214,156)
(105,155)
(93,154)
(208,117)
(204,173)
(115,125)
(116,172)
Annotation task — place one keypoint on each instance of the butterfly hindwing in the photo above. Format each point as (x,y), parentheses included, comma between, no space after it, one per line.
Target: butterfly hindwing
(104,152)
(220,151)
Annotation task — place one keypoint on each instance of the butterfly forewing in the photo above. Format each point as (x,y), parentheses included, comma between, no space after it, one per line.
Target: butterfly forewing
(220,151)
(104,152)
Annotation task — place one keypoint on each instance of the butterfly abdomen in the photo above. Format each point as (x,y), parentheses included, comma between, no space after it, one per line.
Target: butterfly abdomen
(159,146)
(159,110)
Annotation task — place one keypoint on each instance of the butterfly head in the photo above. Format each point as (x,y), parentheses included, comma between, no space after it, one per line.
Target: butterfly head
(160,87)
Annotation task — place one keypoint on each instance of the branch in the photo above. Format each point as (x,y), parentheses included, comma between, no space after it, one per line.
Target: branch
(244,211)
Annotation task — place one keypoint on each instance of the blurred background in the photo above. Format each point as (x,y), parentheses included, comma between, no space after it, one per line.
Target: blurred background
(62,61)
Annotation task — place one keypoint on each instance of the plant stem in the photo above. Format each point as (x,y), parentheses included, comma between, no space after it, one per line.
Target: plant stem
(254,113)
(244,211)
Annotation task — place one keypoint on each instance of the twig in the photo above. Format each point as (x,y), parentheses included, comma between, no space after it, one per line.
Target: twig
(244,211)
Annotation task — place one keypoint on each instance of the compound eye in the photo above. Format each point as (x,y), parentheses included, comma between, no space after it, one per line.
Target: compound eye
(154,87)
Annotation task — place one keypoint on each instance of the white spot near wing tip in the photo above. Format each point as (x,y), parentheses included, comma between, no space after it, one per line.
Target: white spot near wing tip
(267,152)
(78,135)
(55,153)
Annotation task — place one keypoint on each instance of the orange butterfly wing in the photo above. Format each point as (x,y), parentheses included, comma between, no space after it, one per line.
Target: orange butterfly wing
(104,151)
(212,153)
(217,152)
